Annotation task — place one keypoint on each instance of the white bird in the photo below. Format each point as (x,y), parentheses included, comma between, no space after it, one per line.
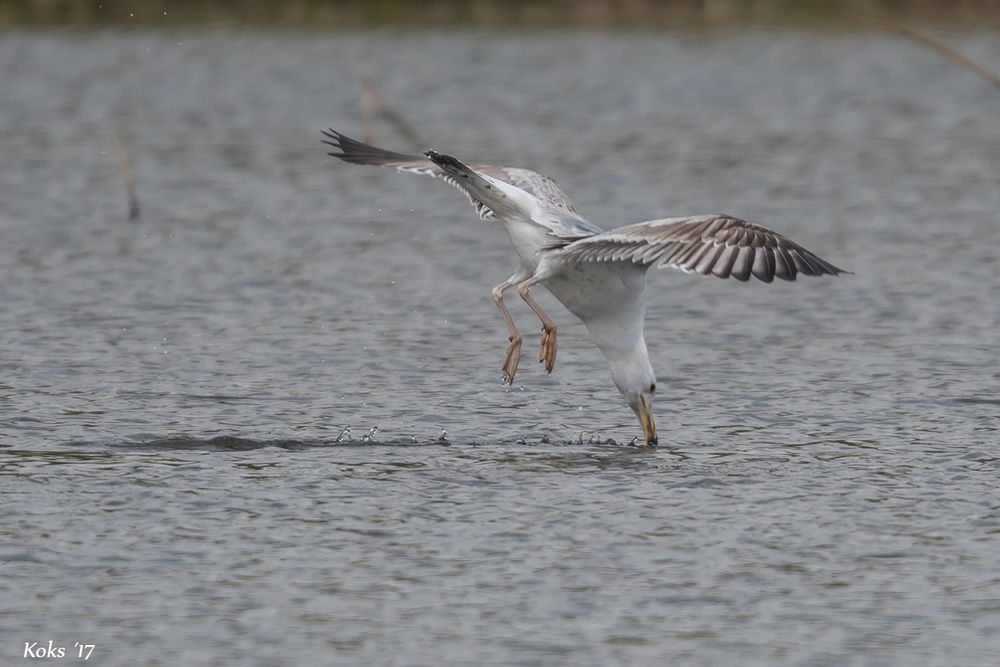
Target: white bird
(598,275)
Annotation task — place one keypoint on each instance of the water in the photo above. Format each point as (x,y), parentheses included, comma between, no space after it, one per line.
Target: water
(172,390)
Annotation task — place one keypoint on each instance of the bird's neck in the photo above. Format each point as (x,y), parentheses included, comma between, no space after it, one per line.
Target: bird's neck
(617,343)
(623,343)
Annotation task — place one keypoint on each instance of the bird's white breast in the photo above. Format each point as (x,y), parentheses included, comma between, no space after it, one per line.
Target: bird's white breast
(608,299)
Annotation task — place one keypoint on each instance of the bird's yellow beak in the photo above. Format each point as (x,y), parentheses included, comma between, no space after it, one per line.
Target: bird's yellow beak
(647,422)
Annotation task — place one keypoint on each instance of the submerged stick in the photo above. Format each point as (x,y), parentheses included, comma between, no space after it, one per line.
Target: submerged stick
(938,46)
(126,169)
(370,102)
(374,107)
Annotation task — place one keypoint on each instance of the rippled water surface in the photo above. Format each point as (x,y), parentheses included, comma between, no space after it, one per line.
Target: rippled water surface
(172,390)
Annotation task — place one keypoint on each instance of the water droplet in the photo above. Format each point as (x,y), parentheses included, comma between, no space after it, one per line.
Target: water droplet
(444,436)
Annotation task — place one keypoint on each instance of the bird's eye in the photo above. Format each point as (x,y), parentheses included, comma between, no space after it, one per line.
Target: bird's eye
(652,388)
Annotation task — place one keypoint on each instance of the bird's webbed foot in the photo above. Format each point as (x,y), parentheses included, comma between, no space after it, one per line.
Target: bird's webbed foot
(547,351)
(511,359)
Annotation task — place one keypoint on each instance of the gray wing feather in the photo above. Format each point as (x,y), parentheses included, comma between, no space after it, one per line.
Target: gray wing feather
(540,186)
(718,245)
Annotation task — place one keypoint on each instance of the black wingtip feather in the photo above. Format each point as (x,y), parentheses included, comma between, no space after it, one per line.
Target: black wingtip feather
(358,152)
(442,160)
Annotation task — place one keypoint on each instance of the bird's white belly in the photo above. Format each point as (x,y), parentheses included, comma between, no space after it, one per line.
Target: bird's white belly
(599,290)
(528,239)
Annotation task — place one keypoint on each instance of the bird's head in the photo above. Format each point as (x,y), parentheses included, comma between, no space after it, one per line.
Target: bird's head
(637,383)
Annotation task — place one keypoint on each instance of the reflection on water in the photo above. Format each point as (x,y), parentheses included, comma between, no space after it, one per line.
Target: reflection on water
(185,400)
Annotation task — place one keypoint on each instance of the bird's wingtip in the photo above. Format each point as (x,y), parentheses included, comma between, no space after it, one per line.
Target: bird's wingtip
(445,161)
(333,139)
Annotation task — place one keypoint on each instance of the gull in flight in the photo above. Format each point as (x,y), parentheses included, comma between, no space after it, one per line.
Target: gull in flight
(598,275)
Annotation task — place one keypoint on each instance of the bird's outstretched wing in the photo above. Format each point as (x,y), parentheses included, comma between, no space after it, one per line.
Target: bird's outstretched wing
(720,245)
(510,202)
(538,185)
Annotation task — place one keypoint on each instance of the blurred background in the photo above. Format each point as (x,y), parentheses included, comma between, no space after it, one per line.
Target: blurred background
(508,13)
(250,399)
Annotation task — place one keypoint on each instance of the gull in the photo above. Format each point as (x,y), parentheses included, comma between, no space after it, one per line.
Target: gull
(598,275)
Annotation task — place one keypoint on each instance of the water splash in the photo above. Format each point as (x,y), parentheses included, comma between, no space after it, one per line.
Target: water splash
(370,436)
(344,435)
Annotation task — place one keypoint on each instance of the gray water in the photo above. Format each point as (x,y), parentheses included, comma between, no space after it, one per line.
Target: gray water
(172,390)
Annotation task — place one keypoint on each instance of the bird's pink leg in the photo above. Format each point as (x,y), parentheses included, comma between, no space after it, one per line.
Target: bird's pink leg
(547,351)
(513,355)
